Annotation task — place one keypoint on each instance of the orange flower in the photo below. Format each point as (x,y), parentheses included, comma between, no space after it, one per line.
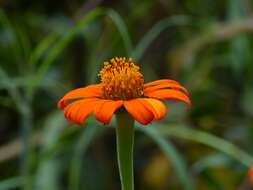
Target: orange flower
(250,173)
(122,85)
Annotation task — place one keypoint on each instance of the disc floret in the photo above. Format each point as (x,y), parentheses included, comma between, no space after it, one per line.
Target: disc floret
(121,79)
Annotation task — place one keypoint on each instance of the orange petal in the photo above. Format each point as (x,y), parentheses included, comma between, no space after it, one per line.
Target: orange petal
(90,91)
(138,111)
(156,107)
(250,173)
(159,82)
(79,110)
(165,86)
(103,112)
(169,94)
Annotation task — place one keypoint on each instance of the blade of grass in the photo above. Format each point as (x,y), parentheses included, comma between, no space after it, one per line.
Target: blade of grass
(171,153)
(11,87)
(42,47)
(215,33)
(23,42)
(3,76)
(83,143)
(121,26)
(11,183)
(26,123)
(58,47)
(154,32)
(98,55)
(239,47)
(61,44)
(209,140)
(214,160)
(49,168)
(15,47)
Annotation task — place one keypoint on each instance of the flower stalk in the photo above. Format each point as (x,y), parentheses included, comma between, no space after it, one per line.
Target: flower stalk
(125,145)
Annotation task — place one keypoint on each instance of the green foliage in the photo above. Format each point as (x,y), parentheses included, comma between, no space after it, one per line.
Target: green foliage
(172,155)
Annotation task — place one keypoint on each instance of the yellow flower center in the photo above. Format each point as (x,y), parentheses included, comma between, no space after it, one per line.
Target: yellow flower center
(121,79)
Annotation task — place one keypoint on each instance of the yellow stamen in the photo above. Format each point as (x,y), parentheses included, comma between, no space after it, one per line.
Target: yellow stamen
(121,79)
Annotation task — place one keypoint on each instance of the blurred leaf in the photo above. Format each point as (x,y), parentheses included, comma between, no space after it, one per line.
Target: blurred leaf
(209,140)
(3,75)
(42,47)
(98,55)
(247,100)
(7,84)
(240,51)
(172,155)
(11,183)
(235,9)
(216,32)
(154,32)
(62,43)
(211,181)
(15,46)
(6,101)
(214,160)
(85,139)
(49,170)
(119,23)
(23,41)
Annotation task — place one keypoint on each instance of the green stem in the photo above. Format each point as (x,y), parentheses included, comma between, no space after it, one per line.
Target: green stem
(125,145)
(26,123)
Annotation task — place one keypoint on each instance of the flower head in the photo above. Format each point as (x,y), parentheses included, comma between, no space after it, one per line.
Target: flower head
(121,80)
(122,85)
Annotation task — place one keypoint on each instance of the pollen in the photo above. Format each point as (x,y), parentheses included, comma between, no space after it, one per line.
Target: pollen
(121,79)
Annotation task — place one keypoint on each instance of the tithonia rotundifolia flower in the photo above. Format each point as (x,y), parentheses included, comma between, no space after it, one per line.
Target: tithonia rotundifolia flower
(122,86)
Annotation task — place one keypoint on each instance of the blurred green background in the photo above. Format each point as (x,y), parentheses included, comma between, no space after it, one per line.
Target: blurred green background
(50,47)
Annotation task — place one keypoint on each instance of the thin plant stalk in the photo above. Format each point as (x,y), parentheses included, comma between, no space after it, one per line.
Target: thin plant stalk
(26,121)
(125,145)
